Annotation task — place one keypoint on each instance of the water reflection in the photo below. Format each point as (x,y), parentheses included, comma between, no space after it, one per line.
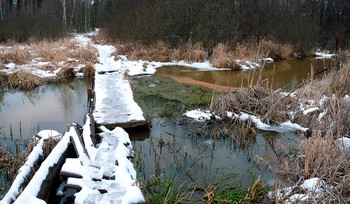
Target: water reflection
(286,74)
(46,107)
(173,147)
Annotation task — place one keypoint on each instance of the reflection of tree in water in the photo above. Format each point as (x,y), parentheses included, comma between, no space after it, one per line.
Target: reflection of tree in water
(69,92)
(33,96)
(1,98)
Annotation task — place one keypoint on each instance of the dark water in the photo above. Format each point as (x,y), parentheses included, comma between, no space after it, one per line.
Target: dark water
(52,106)
(286,74)
(174,145)
(23,113)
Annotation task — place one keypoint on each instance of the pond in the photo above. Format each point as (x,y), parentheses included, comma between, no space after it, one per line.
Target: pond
(286,74)
(23,113)
(179,146)
(174,144)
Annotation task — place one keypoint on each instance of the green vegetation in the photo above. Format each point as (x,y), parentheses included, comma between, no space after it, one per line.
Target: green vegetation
(184,186)
(162,96)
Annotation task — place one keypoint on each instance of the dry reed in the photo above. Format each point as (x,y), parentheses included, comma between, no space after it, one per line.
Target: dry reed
(277,51)
(15,54)
(330,97)
(223,58)
(189,53)
(320,156)
(89,70)
(84,55)
(23,80)
(257,100)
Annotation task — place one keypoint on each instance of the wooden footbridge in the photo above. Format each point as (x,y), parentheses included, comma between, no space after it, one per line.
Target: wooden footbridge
(89,164)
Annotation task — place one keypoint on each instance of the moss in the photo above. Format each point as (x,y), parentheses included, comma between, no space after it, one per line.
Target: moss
(164,97)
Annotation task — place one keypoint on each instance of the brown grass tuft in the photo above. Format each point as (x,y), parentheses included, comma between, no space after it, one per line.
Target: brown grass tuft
(189,53)
(277,51)
(158,51)
(89,70)
(321,156)
(2,66)
(245,51)
(15,54)
(258,100)
(331,91)
(101,36)
(85,54)
(223,58)
(23,80)
(66,73)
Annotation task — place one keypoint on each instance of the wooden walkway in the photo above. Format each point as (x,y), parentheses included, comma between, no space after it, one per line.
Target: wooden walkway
(102,171)
(115,104)
(102,174)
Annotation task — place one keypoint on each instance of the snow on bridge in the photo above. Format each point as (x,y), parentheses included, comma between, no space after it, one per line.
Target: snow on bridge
(115,104)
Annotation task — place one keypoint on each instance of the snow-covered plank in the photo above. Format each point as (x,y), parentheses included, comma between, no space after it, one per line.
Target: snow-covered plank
(114,102)
(25,171)
(34,187)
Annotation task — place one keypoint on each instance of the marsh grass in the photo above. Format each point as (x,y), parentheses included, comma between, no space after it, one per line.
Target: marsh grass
(89,70)
(63,54)
(277,51)
(258,100)
(330,95)
(22,80)
(189,53)
(219,189)
(184,186)
(10,163)
(16,54)
(222,57)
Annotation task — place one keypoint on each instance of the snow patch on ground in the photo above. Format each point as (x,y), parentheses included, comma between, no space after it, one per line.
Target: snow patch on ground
(314,187)
(199,115)
(205,115)
(322,55)
(344,143)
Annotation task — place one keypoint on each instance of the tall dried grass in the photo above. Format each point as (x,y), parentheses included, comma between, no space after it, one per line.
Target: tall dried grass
(162,52)
(277,51)
(222,57)
(189,53)
(331,92)
(2,66)
(321,156)
(84,55)
(15,54)
(89,70)
(257,100)
(23,80)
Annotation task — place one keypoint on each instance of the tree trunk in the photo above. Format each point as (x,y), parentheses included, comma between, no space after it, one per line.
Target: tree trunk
(72,15)
(1,12)
(64,17)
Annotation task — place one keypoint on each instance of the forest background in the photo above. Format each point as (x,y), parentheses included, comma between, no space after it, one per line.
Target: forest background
(306,24)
